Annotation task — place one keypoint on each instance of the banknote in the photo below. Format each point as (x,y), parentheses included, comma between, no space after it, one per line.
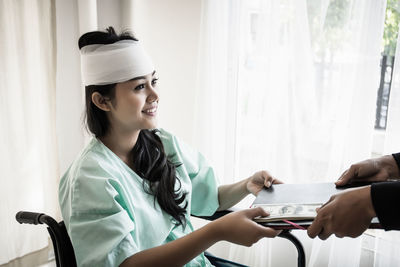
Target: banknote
(288,211)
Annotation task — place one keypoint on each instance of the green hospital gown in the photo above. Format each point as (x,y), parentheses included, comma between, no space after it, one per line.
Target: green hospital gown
(109,216)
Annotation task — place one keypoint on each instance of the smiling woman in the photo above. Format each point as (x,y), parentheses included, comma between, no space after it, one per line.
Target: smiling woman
(119,108)
(127,199)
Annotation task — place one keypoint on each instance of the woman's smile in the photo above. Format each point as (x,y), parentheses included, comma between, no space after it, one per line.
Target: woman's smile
(152,111)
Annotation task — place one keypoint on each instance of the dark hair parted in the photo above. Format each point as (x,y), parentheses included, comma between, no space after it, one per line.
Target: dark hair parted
(148,155)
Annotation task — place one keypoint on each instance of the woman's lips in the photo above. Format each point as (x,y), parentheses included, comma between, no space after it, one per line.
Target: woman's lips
(150,111)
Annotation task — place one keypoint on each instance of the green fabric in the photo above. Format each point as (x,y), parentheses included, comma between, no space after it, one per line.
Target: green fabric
(108,215)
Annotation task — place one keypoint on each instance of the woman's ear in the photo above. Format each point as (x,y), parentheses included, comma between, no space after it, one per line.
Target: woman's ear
(101,102)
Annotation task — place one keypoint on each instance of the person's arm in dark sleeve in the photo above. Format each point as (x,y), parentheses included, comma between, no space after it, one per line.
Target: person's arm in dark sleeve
(397,159)
(386,200)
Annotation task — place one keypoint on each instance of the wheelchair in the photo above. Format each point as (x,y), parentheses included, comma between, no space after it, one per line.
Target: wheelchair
(64,251)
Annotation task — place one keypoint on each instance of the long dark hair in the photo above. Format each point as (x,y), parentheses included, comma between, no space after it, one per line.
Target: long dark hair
(150,160)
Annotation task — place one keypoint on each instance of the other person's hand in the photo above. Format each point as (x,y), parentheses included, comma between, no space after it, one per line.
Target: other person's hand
(370,170)
(348,213)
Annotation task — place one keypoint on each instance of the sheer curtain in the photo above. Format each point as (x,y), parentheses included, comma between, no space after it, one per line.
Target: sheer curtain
(387,245)
(39,103)
(27,137)
(289,86)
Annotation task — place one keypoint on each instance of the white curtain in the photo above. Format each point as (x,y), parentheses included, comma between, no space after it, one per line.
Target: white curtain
(39,103)
(27,138)
(387,245)
(289,86)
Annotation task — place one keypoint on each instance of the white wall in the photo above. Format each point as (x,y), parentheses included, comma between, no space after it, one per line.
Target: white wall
(170,33)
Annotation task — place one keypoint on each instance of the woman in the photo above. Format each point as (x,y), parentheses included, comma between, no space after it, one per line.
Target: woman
(127,199)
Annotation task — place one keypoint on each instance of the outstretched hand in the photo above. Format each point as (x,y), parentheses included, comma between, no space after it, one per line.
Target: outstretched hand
(260,179)
(370,170)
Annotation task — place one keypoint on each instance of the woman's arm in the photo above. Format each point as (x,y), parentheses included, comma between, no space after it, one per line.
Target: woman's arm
(230,228)
(231,194)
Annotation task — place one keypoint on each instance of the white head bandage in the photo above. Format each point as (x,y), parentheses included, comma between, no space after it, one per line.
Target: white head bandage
(114,63)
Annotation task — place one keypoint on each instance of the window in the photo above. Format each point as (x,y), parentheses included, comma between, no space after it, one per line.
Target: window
(387,62)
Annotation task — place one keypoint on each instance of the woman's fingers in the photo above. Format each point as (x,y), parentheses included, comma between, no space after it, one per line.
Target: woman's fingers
(265,231)
(277,181)
(271,180)
(255,212)
(269,232)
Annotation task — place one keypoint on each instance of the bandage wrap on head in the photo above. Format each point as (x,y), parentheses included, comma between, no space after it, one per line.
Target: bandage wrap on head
(114,63)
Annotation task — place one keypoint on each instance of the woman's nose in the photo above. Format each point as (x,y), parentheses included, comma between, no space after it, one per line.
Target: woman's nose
(153,95)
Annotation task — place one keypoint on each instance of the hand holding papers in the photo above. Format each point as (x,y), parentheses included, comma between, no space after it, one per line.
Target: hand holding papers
(348,213)
(294,202)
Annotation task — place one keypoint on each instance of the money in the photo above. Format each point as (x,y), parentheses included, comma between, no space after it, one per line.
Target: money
(278,212)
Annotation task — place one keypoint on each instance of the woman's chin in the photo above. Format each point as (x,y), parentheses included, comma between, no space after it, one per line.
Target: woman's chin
(151,126)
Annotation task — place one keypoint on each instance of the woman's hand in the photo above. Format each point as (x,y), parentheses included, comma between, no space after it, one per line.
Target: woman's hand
(236,227)
(260,179)
(239,228)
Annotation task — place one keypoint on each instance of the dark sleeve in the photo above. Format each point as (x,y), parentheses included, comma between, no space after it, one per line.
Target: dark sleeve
(397,159)
(386,199)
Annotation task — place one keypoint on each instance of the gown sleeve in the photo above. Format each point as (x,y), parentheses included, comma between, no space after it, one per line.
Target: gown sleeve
(204,198)
(98,224)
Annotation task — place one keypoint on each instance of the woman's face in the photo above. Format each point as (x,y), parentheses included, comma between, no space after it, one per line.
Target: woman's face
(135,104)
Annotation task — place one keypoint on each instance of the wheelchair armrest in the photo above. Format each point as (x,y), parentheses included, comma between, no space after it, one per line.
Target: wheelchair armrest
(29,217)
(215,216)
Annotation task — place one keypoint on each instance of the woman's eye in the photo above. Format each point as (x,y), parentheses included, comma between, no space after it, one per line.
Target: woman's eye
(139,87)
(143,85)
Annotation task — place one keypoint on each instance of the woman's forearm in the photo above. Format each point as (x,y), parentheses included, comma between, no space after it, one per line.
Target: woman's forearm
(236,227)
(177,252)
(231,194)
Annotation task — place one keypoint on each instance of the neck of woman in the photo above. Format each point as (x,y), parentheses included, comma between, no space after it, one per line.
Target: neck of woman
(121,143)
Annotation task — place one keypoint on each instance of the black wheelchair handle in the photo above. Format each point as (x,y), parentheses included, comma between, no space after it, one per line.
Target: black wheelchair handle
(28,217)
